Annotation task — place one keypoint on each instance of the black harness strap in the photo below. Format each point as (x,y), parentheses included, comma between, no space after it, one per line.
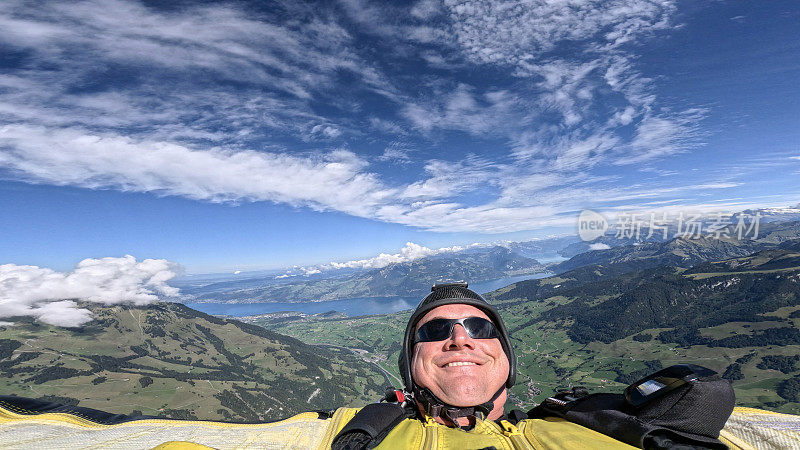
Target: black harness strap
(437,408)
(370,426)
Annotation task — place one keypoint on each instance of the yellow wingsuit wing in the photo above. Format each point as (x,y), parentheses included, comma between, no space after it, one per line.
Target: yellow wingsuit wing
(746,429)
(27,430)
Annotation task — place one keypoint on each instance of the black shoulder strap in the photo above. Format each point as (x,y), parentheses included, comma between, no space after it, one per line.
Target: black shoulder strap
(370,426)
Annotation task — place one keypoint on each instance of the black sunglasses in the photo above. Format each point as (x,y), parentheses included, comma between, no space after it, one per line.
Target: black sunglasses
(441,329)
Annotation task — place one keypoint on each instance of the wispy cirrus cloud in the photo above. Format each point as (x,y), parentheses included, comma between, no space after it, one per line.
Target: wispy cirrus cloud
(333,180)
(229,42)
(513,33)
(447,179)
(197,72)
(463,109)
(396,154)
(235,102)
(582,54)
(588,106)
(665,135)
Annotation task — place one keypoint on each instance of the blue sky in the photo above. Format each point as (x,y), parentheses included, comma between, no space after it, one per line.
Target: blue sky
(247,135)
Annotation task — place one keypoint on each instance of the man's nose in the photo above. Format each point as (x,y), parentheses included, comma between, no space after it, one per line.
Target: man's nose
(459,338)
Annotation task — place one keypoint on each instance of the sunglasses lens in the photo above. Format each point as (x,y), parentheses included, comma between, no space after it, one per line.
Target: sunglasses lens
(440,329)
(435,330)
(479,328)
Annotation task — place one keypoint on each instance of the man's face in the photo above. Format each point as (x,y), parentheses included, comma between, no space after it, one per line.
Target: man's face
(460,370)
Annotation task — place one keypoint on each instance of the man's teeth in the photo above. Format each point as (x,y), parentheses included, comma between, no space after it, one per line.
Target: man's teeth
(460,363)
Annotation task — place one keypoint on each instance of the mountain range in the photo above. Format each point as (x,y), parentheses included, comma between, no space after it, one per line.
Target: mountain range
(605,325)
(606,318)
(682,251)
(412,278)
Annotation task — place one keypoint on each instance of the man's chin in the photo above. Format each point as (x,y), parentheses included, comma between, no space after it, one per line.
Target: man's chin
(464,398)
(462,401)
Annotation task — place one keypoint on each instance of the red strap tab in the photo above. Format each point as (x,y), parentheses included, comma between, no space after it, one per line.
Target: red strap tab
(400,397)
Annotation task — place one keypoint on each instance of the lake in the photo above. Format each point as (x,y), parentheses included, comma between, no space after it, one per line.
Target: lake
(351,306)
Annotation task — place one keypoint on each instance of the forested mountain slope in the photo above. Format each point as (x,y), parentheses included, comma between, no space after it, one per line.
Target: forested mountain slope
(597,327)
(684,251)
(169,360)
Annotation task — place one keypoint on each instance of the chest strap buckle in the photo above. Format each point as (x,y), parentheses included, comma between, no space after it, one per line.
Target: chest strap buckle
(509,429)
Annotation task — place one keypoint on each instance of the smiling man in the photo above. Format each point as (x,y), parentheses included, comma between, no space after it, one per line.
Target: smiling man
(457,359)
(457,364)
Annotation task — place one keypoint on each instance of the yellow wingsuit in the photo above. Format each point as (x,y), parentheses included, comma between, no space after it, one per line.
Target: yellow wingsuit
(746,429)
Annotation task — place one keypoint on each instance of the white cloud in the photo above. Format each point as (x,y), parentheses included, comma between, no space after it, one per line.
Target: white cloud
(515,188)
(425,9)
(64,313)
(660,136)
(73,157)
(197,72)
(220,38)
(487,218)
(795,157)
(584,95)
(408,253)
(567,88)
(210,85)
(584,152)
(450,178)
(712,186)
(599,246)
(462,109)
(326,131)
(515,33)
(435,59)
(336,180)
(528,196)
(386,126)
(50,296)
(395,154)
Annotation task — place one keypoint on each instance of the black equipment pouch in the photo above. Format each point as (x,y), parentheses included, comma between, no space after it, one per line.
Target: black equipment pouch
(370,426)
(681,407)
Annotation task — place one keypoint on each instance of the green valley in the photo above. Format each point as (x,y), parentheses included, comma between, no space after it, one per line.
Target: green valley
(600,325)
(603,329)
